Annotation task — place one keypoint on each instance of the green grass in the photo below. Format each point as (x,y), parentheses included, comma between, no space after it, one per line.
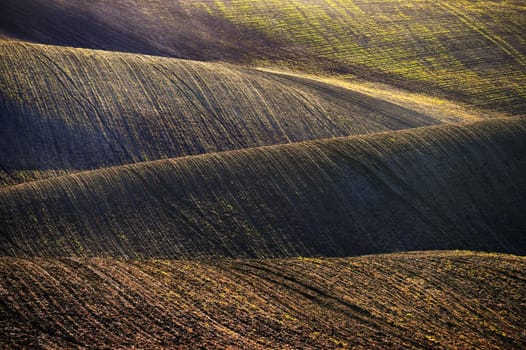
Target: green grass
(470,51)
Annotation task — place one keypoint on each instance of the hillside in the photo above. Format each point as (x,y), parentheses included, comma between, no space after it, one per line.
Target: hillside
(471,51)
(441,187)
(89,109)
(412,301)
(240,174)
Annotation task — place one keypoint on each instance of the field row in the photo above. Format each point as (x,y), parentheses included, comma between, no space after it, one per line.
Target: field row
(417,300)
(441,187)
(90,109)
(472,51)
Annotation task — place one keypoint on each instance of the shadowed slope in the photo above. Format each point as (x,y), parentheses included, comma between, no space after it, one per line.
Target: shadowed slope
(443,187)
(412,301)
(161,28)
(472,51)
(66,109)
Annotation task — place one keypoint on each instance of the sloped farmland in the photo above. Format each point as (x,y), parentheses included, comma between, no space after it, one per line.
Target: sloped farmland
(88,109)
(411,301)
(238,174)
(472,51)
(443,187)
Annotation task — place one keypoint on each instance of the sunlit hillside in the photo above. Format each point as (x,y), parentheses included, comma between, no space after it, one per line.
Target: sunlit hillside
(93,108)
(240,174)
(412,301)
(473,51)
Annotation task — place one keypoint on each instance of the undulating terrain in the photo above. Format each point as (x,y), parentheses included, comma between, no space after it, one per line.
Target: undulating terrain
(417,300)
(92,109)
(471,51)
(308,174)
(443,187)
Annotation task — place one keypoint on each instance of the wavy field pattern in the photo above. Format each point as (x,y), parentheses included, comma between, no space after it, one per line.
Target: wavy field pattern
(381,301)
(473,51)
(238,174)
(444,187)
(92,109)
(445,46)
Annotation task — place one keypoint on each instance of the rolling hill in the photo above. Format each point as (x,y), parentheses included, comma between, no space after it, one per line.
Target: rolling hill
(431,300)
(89,109)
(471,51)
(440,187)
(224,174)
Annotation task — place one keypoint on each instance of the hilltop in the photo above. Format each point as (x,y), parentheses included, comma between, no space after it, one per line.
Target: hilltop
(461,50)
(440,187)
(89,109)
(411,301)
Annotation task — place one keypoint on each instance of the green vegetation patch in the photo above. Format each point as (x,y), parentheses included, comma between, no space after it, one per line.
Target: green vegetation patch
(471,51)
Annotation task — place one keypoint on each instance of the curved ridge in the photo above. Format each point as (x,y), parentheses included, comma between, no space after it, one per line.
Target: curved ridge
(442,187)
(471,51)
(93,109)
